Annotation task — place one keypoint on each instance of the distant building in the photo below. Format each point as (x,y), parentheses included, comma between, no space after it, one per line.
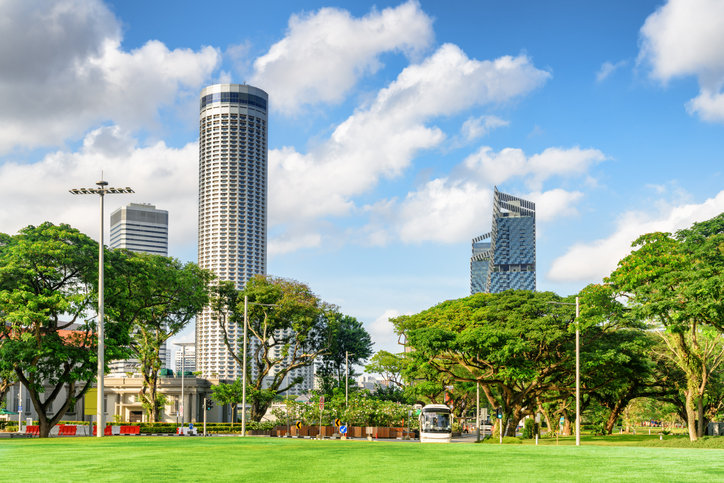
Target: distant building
(505,258)
(189,362)
(370,382)
(139,227)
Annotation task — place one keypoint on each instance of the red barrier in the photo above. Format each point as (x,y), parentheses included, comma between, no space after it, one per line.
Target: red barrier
(107,432)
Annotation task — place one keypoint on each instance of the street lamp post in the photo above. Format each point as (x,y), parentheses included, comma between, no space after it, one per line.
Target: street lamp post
(578,369)
(477,412)
(243,371)
(101,191)
(346,378)
(183,346)
(578,377)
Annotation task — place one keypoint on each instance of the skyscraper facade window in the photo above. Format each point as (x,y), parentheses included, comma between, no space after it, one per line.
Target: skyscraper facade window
(505,258)
(232,206)
(139,227)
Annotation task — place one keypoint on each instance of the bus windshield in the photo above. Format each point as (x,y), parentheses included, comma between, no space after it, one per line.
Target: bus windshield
(435,422)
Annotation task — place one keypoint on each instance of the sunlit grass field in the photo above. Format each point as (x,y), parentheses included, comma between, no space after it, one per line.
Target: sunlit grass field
(273,459)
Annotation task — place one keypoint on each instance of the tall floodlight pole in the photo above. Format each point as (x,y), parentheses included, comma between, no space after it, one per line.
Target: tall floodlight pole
(183,346)
(101,191)
(578,368)
(346,378)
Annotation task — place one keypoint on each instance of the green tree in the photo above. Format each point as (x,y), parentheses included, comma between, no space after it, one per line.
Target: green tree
(48,277)
(516,344)
(388,365)
(230,394)
(7,373)
(157,296)
(346,337)
(677,283)
(288,327)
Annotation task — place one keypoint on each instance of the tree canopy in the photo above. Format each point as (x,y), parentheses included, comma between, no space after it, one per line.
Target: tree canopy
(288,329)
(348,343)
(48,286)
(676,282)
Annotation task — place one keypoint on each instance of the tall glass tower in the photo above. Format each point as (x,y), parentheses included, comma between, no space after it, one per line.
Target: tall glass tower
(232,206)
(507,260)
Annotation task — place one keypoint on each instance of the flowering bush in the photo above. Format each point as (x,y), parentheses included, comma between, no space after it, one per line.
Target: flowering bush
(361,411)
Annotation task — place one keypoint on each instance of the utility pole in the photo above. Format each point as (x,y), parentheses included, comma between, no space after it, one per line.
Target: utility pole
(20,405)
(346,378)
(477,411)
(578,377)
(578,368)
(243,373)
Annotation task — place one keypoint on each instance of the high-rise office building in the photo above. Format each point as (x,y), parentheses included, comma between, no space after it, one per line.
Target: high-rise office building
(504,258)
(187,360)
(232,206)
(139,227)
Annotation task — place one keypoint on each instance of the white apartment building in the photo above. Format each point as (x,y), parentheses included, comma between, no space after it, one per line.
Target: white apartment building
(232,206)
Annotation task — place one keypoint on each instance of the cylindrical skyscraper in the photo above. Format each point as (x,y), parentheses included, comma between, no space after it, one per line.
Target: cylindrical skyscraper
(232,205)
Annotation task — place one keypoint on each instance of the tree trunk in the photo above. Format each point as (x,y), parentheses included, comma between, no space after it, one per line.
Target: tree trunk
(258,411)
(154,402)
(546,416)
(700,419)
(690,415)
(611,421)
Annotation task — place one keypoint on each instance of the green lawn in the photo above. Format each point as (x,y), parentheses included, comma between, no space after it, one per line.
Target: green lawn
(271,459)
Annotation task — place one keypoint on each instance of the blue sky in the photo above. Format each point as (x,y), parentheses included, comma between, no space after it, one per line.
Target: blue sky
(390,124)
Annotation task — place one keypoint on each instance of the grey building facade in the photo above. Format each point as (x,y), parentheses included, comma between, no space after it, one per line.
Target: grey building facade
(505,257)
(140,227)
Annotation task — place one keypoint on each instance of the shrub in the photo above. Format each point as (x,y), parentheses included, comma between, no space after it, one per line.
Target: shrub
(530,428)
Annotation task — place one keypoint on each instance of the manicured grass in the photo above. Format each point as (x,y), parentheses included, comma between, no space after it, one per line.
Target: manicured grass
(272,459)
(668,441)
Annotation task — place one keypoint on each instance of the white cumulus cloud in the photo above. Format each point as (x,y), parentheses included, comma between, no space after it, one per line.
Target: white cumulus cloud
(64,71)
(324,53)
(381,140)
(476,127)
(157,173)
(608,68)
(592,261)
(383,333)
(454,208)
(495,168)
(684,37)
